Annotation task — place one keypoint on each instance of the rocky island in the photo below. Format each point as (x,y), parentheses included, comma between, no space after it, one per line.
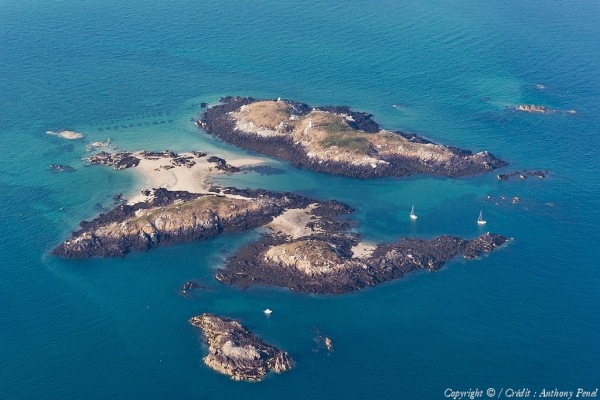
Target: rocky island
(336,264)
(307,244)
(336,140)
(169,217)
(235,351)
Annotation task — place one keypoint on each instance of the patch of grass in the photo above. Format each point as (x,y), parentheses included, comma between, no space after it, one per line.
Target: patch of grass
(268,114)
(348,141)
(218,204)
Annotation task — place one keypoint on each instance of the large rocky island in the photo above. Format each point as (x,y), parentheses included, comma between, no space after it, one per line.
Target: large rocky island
(235,351)
(339,263)
(168,217)
(336,140)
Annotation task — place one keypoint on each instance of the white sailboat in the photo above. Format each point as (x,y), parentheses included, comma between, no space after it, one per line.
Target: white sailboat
(413,216)
(480,220)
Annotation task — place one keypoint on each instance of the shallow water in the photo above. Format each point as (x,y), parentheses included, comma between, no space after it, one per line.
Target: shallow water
(526,315)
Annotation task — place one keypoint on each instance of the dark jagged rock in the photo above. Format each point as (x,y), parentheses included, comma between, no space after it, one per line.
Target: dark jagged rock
(119,160)
(158,154)
(186,161)
(189,287)
(522,174)
(326,264)
(336,140)
(61,168)
(221,164)
(235,351)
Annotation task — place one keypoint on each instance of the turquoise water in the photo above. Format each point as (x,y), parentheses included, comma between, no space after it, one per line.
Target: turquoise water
(524,316)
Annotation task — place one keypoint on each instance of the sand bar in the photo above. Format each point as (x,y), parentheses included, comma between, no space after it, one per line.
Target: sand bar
(159,172)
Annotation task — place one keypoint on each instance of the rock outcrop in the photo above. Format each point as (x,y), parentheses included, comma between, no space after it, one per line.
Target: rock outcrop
(235,351)
(541,174)
(120,160)
(532,108)
(336,140)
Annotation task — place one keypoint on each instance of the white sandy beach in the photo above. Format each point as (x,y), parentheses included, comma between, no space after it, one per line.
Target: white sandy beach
(196,179)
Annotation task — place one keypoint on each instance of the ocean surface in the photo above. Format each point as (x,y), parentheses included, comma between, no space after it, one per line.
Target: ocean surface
(525,316)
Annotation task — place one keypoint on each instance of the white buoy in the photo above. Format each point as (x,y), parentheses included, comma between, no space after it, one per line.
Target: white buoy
(268,312)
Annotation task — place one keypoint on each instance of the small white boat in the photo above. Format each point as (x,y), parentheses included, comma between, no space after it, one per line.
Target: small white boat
(413,216)
(268,312)
(480,220)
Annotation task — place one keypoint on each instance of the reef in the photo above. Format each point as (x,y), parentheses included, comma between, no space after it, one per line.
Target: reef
(336,140)
(541,174)
(235,351)
(532,108)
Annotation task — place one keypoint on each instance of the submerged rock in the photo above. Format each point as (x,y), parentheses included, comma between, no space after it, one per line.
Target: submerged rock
(522,174)
(235,351)
(532,108)
(64,134)
(61,168)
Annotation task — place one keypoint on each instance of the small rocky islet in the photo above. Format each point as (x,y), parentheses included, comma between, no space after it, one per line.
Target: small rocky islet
(235,351)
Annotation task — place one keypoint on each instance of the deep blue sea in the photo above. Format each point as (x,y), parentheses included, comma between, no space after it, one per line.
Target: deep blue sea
(525,316)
